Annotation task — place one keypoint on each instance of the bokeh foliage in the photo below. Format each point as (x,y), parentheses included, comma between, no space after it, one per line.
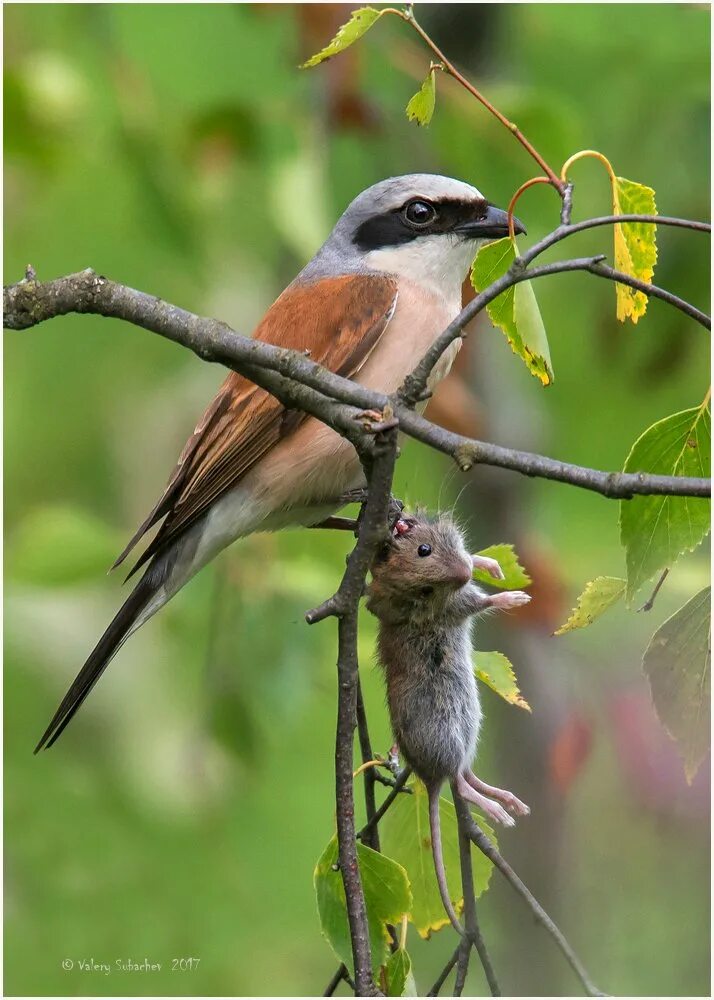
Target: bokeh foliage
(179,149)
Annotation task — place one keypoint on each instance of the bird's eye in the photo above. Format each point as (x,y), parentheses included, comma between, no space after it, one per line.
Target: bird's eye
(424,550)
(419,213)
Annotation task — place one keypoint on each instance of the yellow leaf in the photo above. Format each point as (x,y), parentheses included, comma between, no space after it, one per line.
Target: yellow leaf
(421,106)
(600,594)
(496,670)
(635,244)
(360,22)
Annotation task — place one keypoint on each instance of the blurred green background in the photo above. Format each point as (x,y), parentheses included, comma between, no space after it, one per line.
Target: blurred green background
(178,149)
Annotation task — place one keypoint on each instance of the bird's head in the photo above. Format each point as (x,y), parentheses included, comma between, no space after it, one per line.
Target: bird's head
(422,227)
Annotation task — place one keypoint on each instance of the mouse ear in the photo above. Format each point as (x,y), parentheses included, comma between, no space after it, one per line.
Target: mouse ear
(401,527)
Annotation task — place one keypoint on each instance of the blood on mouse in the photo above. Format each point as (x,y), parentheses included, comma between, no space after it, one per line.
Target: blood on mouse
(424,596)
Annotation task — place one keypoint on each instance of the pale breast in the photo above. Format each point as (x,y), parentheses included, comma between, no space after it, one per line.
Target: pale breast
(421,315)
(315,463)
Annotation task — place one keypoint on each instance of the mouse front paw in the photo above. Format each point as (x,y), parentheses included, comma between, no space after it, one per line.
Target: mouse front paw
(510,599)
(490,566)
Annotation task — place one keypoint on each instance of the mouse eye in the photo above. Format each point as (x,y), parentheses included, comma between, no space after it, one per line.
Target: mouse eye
(419,213)
(427,591)
(424,550)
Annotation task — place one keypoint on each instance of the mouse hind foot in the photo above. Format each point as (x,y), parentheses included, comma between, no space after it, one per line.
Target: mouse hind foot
(494,810)
(507,799)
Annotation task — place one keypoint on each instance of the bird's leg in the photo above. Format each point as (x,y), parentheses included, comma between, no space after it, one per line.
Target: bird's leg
(393,759)
(351,523)
(507,799)
(358,495)
(337,523)
(492,809)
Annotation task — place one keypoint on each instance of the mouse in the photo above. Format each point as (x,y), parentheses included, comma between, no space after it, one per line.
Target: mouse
(423,594)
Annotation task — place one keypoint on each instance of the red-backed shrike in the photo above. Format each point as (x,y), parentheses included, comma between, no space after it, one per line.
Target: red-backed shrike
(368,305)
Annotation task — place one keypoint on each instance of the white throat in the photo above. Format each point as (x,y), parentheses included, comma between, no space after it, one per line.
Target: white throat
(438,264)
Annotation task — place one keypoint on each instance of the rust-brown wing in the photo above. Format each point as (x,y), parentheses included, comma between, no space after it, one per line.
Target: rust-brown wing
(338,321)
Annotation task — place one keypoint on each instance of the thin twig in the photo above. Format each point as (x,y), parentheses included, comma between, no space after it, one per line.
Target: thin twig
(444,974)
(340,975)
(462,966)
(372,840)
(396,790)
(649,603)
(471,924)
(449,68)
(479,838)
(566,209)
(605,271)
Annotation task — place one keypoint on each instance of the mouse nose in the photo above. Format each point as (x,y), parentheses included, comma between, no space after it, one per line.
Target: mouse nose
(461,573)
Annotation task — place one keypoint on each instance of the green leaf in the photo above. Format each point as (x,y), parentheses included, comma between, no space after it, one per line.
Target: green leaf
(60,546)
(421,106)
(514,311)
(359,23)
(400,981)
(496,671)
(677,663)
(655,530)
(386,894)
(406,837)
(599,595)
(635,244)
(514,576)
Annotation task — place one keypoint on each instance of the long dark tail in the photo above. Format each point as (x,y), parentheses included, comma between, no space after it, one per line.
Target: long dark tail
(102,654)
(435,826)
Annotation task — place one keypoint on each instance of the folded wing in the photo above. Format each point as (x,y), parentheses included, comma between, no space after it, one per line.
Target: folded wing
(338,322)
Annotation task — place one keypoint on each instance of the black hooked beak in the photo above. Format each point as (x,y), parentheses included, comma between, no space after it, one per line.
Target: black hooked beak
(491,226)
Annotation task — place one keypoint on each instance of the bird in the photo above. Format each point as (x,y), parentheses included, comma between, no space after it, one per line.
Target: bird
(386,282)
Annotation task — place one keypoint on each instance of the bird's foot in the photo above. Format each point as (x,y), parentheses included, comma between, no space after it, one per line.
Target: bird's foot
(374,422)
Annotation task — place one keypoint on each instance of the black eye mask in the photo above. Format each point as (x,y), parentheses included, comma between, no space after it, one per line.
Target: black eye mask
(391,229)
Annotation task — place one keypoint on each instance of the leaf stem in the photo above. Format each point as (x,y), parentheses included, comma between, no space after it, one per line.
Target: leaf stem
(584,153)
(649,603)
(516,196)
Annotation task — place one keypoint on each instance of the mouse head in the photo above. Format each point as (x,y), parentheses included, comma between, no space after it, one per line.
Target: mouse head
(424,562)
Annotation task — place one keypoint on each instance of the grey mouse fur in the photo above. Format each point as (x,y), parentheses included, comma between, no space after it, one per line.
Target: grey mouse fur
(423,594)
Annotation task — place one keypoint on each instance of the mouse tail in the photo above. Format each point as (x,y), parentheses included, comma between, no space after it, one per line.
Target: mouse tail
(435,827)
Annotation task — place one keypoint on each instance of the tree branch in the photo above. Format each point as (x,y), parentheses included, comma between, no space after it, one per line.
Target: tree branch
(345,605)
(307,385)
